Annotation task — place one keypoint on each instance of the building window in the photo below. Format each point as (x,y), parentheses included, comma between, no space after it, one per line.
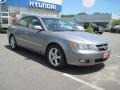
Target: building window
(4,14)
(4,8)
(5,20)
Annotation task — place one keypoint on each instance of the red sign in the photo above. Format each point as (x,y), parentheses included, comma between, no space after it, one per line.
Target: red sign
(106,55)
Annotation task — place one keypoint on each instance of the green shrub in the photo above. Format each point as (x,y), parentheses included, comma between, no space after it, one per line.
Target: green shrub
(86,25)
(90,30)
(107,30)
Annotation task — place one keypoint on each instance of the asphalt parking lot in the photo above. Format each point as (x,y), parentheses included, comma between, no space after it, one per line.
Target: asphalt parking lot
(25,70)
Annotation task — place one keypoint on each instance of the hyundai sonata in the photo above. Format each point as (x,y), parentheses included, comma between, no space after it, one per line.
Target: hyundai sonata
(59,41)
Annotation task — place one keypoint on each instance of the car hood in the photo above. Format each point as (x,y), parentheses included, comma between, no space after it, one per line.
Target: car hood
(84,37)
(80,28)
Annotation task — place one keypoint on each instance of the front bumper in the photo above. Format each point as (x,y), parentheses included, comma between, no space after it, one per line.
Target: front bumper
(86,58)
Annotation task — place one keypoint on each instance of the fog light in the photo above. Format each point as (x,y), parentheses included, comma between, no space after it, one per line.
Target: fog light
(82,61)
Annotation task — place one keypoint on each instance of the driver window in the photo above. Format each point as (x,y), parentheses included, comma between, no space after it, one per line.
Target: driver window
(35,21)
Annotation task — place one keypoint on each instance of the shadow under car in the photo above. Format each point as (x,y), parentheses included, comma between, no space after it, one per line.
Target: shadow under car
(70,69)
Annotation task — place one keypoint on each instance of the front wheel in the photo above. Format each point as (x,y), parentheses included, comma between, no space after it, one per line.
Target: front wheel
(13,43)
(56,57)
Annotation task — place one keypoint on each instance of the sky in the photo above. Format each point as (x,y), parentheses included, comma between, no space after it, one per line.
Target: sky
(101,6)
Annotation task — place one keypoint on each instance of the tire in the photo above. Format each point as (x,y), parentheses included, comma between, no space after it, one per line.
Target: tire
(100,32)
(0,31)
(13,43)
(56,57)
(96,32)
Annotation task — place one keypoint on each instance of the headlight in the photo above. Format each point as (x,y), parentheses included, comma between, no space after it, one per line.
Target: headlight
(83,46)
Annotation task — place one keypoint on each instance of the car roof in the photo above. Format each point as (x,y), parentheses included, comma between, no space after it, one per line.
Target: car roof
(41,16)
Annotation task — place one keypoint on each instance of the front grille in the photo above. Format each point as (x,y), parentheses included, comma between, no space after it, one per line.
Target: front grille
(102,47)
(100,60)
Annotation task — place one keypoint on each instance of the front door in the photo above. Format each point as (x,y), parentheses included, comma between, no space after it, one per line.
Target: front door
(35,38)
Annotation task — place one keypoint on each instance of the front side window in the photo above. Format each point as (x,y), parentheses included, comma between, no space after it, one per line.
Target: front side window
(35,21)
(54,24)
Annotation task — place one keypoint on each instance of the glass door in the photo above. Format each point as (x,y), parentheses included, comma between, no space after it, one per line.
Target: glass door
(4,19)
(4,16)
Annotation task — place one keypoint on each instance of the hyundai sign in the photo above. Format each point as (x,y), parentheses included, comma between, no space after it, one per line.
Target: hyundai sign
(40,4)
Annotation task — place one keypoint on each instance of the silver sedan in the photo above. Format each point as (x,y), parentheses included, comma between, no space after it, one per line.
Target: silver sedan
(59,41)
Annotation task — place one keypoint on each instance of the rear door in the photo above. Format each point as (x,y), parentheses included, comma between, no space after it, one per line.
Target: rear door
(21,28)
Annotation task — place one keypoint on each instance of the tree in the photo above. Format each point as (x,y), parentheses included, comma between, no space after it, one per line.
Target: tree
(115,22)
(82,13)
(62,16)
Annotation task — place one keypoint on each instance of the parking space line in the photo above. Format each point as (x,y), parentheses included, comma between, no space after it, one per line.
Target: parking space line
(115,56)
(82,81)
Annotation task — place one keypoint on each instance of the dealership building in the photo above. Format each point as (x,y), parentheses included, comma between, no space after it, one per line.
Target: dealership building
(100,19)
(11,10)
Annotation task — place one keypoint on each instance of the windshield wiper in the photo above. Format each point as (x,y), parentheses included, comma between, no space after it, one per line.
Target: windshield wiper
(56,30)
(62,30)
(72,30)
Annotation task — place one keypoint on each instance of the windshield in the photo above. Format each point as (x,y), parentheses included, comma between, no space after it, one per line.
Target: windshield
(75,24)
(55,24)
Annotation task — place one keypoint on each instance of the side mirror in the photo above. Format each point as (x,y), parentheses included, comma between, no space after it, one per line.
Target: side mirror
(37,27)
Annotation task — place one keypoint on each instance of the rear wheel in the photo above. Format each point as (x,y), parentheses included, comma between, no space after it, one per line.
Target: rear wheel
(56,57)
(13,43)
(100,32)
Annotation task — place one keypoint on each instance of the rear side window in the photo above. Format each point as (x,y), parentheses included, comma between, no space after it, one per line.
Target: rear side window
(23,22)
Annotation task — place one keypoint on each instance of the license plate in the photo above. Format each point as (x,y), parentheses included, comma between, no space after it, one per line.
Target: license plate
(105,55)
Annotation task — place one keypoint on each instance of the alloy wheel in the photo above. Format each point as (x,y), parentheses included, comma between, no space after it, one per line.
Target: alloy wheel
(13,42)
(54,56)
